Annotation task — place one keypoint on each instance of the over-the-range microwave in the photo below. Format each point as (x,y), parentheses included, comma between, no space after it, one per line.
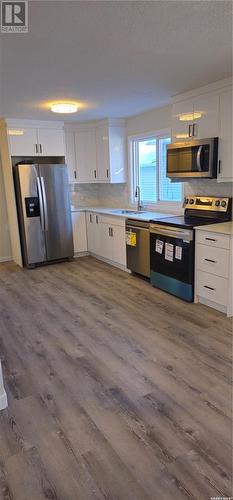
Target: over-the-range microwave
(197,158)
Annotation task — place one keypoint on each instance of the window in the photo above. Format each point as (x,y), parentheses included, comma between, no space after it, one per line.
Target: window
(149,170)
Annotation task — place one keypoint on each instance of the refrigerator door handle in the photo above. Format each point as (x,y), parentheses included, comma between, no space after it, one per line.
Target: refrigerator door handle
(42,218)
(45,204)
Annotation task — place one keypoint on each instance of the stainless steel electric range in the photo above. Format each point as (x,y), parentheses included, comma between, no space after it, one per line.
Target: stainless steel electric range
(172,243)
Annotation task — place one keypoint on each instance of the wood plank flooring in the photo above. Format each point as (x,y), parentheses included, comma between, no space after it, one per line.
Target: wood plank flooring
(116,390)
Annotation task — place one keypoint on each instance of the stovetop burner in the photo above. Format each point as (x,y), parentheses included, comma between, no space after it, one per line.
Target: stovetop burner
(199,211)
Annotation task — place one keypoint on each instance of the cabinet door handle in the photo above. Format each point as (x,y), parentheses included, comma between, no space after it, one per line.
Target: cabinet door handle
(219,166)
(209,287)
(210,239)
(107,173)
(36,148)
(40,148)
(75,174)
(97,219)
(111,231)
(210,260)
(90,216)
(190,130)
(194,130)
(95,174)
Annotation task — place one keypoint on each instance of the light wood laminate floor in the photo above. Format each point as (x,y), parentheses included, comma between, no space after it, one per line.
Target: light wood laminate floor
(116,390)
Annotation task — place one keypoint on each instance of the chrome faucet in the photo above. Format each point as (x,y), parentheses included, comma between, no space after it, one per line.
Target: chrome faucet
(138,196)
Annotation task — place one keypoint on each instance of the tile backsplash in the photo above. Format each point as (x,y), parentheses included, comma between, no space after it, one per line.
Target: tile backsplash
(117,195)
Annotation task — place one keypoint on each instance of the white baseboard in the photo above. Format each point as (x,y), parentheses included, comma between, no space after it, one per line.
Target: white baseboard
(5,259)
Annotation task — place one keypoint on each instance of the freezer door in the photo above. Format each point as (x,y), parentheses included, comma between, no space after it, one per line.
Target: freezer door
(31,215)
(56,200)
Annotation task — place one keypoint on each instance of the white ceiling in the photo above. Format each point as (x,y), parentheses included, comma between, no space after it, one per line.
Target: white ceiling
(117,58)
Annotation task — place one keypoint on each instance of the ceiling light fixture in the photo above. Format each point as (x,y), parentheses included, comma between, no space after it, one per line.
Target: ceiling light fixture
(64,107)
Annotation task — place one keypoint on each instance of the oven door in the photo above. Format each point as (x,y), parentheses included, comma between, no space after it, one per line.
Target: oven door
(193,159)
(172,260)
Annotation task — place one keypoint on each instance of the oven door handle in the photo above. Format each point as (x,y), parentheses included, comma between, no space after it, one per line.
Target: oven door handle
(172,232)
(199,159)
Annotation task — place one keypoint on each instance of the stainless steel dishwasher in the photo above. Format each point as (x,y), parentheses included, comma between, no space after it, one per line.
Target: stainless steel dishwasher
(138,246)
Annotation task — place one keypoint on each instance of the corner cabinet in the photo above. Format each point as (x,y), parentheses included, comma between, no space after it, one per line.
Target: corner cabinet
(203,113)
(31,138)
(96,152)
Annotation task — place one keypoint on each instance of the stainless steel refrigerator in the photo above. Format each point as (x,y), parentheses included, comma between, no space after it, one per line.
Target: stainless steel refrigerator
(43,205)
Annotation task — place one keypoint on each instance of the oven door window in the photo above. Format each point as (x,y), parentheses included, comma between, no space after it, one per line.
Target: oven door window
(172,257)
(188,159)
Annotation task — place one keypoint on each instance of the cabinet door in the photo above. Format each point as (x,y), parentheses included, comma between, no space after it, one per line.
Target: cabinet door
(51,142)
(182,118)
(23,141)
(85,150)
(225,138)
(117,152)
(79,231)
(206,116)
(119,245)
(70,157)
(90,224)
(102,153)
(106,241)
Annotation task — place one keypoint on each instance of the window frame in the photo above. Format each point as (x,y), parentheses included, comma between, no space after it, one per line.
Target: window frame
(174,206)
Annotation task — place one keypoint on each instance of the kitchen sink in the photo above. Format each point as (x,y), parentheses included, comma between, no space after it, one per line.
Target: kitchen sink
(127,212)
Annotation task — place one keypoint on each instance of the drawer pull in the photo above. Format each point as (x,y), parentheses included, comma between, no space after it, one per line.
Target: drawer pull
(210,239)
(209,287)
(210,260)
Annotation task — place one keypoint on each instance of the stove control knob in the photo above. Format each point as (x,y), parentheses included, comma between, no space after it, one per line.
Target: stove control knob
(223,203)
(191,201)
(186,201)
(217,203)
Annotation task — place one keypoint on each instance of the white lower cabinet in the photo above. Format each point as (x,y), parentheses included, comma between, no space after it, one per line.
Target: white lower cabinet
(213,270)
(106,237)
(79,232)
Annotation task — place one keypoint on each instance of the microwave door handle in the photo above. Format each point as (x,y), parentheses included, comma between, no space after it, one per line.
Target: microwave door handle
(199,159)
(45,204)
(41,205)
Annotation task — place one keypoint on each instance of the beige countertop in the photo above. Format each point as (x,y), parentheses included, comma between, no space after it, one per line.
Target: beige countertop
(220,227)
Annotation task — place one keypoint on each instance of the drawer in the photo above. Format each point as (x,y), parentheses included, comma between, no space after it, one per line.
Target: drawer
(212,260)
(212,287)
(213,239)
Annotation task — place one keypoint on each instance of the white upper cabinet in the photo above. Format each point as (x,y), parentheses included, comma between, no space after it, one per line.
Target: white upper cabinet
(225,173)
(85,155)
(70,155)
(27,138)
(51,142)
(197,118)
(102,153)
(111,153)
(23,141)
(99,152)
(206,116)
(182,121)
